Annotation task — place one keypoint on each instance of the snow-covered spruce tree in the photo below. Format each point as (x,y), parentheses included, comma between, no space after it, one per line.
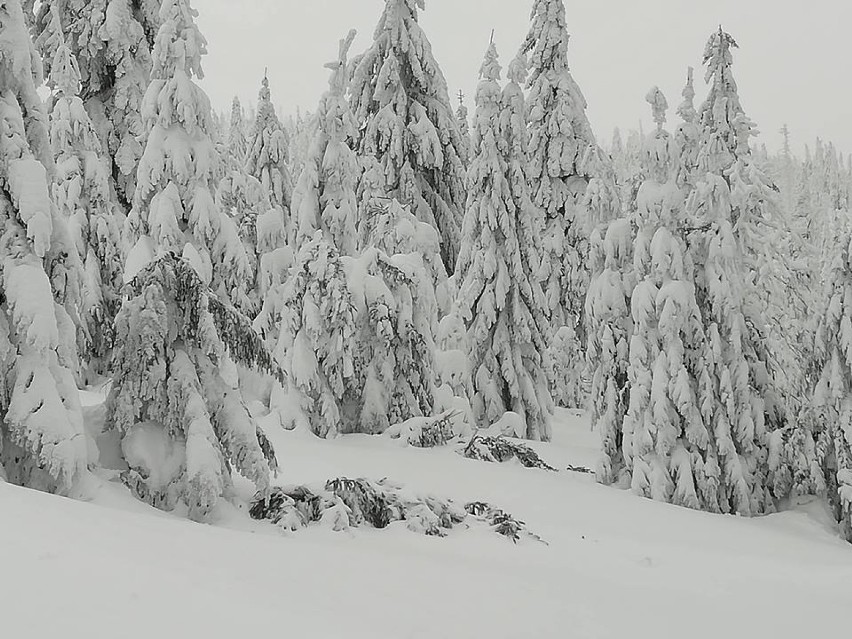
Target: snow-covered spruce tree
(396,231)
(462,116)
(247,201)
(560,139)
(500,297)
(608,325)
(81,193)
(665,443)
(267,155)
(237,142)
(111,40)
(608,338)
(325,197)
(311,324)
(400,100)
(42,442)
(831,446)
(395,300)
(686,134)
(731,199)
(355,335)
(176,387)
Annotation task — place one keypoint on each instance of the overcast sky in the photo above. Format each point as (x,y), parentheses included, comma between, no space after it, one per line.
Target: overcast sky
(793,64)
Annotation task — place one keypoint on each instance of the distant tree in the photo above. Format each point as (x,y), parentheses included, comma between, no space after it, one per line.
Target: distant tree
(268,155)
(237,142)
(462,116)
(325,197)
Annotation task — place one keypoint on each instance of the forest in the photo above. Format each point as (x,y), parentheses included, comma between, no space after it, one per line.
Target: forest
(393,263)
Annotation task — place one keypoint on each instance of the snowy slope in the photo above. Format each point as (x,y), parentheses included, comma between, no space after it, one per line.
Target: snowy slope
(615,566)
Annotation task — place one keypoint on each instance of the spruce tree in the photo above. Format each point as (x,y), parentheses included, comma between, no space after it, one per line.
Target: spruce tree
(500,297)
(247,201)
(665,442)
(560,139)
(111,40)
(178,339)
(400,100)
(267,156)
(732,199)
(237,142)
(81,192)
(42,442)
(831,445)
(325,197)
(462,116)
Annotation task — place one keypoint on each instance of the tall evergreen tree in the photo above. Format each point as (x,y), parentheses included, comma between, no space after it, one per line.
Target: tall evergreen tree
(111,40)
(267,156)
(500,296)
(400,100)
(81,192)
(178,338)
(325,196)
(560,140)
(237,142)
(833,395)
(42,443)
(732,199)
(462,116)
(665,442)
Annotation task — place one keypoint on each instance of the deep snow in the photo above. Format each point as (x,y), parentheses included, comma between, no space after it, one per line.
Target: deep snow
(615,566)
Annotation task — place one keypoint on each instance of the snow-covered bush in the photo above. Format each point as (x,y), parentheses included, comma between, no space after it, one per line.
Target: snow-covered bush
(344,503)
(500,449)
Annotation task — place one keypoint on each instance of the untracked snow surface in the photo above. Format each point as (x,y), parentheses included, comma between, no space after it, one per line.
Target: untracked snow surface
(615,565)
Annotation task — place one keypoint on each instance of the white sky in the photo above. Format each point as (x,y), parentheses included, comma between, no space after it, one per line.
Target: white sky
(793,65)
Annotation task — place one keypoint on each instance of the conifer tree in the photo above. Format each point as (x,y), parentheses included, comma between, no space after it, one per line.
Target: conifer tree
(560,139)
(665,442)
(608,325)
(111,40)
(247,201)
(325,196)
(732,199)
(464,130)
(401,103)
(42,443)
(177,336)
(268,155)
(354,335)
(500,296)
(237,142)
(831,446)
(81,192)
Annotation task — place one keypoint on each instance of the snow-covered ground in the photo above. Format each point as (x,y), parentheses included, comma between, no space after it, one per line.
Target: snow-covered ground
(615,565)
